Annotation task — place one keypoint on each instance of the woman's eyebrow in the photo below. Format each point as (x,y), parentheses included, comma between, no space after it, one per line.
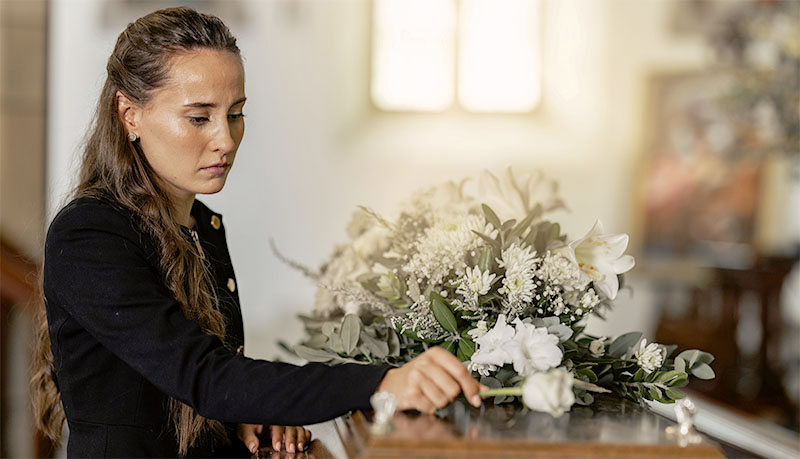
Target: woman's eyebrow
(212,104)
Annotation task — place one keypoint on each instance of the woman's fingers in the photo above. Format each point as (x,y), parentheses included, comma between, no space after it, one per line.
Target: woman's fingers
(248,433)
(459,372)
(276,434)
(290,437)
(430,381)
(303,438)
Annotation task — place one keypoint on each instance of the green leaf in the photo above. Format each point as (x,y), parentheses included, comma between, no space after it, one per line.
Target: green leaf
(485,260)
(703,371)
(491,383)
(694,356)
(668,376)
(639,375)
(654,393)
(562,331)
(492,243)
(674,394)
(317,341)
(351,329)
(394,343)
(379,349)
(313,355)
(491,217)
(443,314)
(623,344)
(466,347)
(530,239)
(680,364)
(591,377)
(524,224)
(328,329)
(669,349)
(449,346)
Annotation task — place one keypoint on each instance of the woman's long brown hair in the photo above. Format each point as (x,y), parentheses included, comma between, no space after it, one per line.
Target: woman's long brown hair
(116,170)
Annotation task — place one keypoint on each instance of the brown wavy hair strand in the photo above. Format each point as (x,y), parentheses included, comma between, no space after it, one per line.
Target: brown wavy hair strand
(116,169)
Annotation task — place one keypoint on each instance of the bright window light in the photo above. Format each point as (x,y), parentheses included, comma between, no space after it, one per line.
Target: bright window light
(499,55)
(413,56)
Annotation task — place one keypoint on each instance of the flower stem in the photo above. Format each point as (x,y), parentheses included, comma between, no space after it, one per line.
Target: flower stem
(501,391)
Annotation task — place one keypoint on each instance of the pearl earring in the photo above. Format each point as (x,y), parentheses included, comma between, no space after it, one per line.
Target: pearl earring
(132,137)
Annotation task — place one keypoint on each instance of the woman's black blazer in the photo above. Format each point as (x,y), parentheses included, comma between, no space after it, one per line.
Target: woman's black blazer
(122,346)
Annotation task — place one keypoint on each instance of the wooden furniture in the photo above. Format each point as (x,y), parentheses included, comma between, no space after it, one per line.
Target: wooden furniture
(611,427)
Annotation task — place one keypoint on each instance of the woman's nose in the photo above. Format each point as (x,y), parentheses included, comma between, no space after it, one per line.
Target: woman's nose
(223,140)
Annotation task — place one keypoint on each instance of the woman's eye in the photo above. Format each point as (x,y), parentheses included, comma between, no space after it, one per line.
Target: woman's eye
(236,116)
(198,120)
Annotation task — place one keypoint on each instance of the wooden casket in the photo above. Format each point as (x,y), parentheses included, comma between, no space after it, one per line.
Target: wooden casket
(611,427)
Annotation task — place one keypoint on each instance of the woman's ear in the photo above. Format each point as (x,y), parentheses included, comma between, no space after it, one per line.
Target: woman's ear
(129,113)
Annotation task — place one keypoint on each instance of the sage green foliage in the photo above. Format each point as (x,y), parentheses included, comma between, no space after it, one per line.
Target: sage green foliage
(373,339)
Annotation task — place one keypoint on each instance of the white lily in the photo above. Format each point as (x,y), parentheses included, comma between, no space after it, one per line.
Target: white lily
(600,257)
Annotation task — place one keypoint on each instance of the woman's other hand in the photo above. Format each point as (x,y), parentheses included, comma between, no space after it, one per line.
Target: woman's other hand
(431,381)
(296,438)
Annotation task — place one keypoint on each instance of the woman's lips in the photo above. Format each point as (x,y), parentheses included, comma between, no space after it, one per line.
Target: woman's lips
(216,169)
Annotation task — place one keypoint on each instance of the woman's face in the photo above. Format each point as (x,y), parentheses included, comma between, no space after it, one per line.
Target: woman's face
(191,127)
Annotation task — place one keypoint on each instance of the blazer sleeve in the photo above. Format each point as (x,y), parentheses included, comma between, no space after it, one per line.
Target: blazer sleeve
(96,268)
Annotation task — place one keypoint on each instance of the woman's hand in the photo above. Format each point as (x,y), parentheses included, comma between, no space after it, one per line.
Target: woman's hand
(296,438)
(431,381)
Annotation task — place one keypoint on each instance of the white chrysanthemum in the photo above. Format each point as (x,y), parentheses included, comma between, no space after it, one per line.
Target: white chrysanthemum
(649,357)
(443,247)
(518,282)
(473,284)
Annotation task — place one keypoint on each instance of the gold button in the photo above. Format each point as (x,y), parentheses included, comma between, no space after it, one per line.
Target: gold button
(240,350)
(231,285)
(215,222)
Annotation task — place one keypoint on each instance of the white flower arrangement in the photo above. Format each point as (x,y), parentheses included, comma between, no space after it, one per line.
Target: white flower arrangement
(487,277)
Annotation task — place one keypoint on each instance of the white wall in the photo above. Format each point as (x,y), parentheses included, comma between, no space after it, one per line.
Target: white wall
(314,147)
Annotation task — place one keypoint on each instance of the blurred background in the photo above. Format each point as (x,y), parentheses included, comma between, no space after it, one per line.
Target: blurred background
(675,121)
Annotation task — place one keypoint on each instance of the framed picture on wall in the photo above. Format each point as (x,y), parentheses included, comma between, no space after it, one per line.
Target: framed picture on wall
(700,174)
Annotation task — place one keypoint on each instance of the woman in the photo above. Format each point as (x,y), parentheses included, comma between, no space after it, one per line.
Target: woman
(138,350)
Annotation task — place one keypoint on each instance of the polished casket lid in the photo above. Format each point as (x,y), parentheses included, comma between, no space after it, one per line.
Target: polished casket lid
(610,427)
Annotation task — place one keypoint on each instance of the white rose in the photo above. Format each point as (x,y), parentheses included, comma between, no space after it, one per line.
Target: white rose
(533,349)
(597,347)
(549,392)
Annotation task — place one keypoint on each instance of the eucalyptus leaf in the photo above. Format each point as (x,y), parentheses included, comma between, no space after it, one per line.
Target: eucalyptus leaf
(393,342)
(379,349)
(680,364)
(491,383)
(317,341)
(623,344)
(351,329)
(313,355)
(703,371)
(562,331)
(328,329)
